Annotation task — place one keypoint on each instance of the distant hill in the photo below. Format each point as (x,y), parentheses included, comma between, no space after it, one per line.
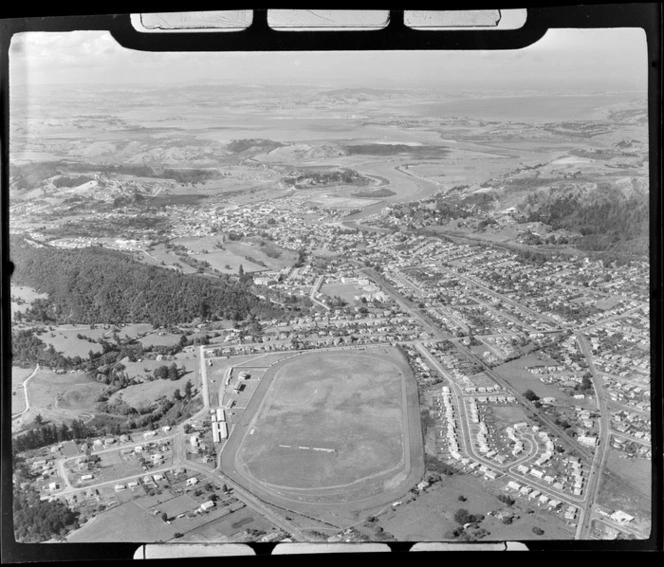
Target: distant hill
(252,145)
(93,285)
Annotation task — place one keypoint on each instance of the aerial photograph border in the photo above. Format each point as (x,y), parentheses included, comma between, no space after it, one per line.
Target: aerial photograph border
(355,299)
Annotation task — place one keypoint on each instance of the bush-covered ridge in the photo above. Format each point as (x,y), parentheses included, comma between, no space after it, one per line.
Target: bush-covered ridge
(95,285)
(606,218)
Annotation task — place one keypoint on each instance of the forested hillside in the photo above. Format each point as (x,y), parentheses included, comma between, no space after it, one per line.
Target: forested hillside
(95,285)
(607,218)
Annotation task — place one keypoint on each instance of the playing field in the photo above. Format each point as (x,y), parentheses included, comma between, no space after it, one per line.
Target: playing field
(335,427)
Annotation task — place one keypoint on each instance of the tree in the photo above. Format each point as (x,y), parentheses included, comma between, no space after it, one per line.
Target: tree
(177,395)
(586,383)
(462,516)
(188,389)
(505,499)
(173,372)
(530,395)
(161,372)
(39,420)
(164,517)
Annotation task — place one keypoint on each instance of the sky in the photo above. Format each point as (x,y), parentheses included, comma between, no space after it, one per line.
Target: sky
(594,60)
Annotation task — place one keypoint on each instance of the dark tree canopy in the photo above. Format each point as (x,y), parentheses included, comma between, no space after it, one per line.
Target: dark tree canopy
(94,284)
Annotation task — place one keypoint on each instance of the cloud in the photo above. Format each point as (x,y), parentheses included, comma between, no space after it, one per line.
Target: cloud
(570,58)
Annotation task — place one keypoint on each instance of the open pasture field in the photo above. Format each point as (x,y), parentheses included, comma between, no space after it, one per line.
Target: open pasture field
(22,297)
(330,428)
(160,254)
(61,397)
(67,342)
(618,496)
(347,292)
(229,259)
(229,263)
(283,259)
(506,415)
(138,369)
(135,330)
(198,244)
(178,505)
(147,393)
(636,471)
(127,522)
(160,339)
(516,374)
(229,527)
(431,515)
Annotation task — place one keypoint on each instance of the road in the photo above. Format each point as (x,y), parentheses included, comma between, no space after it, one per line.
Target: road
(405,305)
(204,381)
(475,281)
(415,313)
(564,437)
(597,458)
(599,462)
(314,291)
(25,393)
(469,450)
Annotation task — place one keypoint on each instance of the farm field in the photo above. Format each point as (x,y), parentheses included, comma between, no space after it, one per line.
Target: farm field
(315,419)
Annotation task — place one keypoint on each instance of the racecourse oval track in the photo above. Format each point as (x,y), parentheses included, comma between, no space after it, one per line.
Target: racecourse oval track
(337,429)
